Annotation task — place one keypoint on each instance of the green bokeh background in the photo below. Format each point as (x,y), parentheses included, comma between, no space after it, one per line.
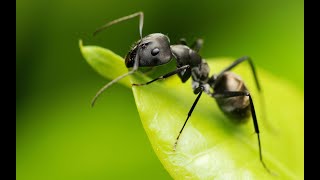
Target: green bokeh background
(60,137)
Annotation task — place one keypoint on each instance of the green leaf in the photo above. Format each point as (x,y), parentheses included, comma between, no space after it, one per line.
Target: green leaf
(211,146)
(105,62)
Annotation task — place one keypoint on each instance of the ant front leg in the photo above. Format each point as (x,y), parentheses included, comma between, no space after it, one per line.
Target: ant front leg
(165,76)
(228,94)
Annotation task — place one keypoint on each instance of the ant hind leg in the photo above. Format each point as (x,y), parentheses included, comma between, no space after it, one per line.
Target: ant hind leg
(228,94)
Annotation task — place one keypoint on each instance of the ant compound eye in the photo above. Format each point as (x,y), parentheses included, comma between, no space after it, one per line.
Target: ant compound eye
(155,51)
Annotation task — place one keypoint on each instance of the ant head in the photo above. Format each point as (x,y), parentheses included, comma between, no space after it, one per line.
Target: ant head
(152,50)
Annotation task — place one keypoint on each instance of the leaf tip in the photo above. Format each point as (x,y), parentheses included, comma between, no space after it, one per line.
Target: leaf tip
(80,43)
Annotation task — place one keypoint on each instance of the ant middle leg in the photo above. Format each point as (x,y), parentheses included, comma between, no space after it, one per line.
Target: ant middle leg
(199,91)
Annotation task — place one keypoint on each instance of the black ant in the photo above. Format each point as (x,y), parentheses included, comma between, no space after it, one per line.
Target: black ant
(231,94)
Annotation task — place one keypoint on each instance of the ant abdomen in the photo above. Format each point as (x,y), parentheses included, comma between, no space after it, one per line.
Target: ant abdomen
(237,108)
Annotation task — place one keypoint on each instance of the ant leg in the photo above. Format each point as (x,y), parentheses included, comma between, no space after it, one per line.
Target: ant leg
(238,61)
(135,68)
(199,91)
(165,76)
(185,75)
(182,41)
(228,94)
(197,45)
(124,19)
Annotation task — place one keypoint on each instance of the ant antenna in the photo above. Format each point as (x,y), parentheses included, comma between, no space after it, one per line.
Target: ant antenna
(124,19)
(135,67)
(136,59)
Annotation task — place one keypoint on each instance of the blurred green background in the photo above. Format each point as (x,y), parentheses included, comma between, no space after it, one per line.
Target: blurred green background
(59,136)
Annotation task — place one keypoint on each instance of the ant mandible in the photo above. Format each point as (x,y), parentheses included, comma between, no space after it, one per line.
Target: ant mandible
(230,92)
